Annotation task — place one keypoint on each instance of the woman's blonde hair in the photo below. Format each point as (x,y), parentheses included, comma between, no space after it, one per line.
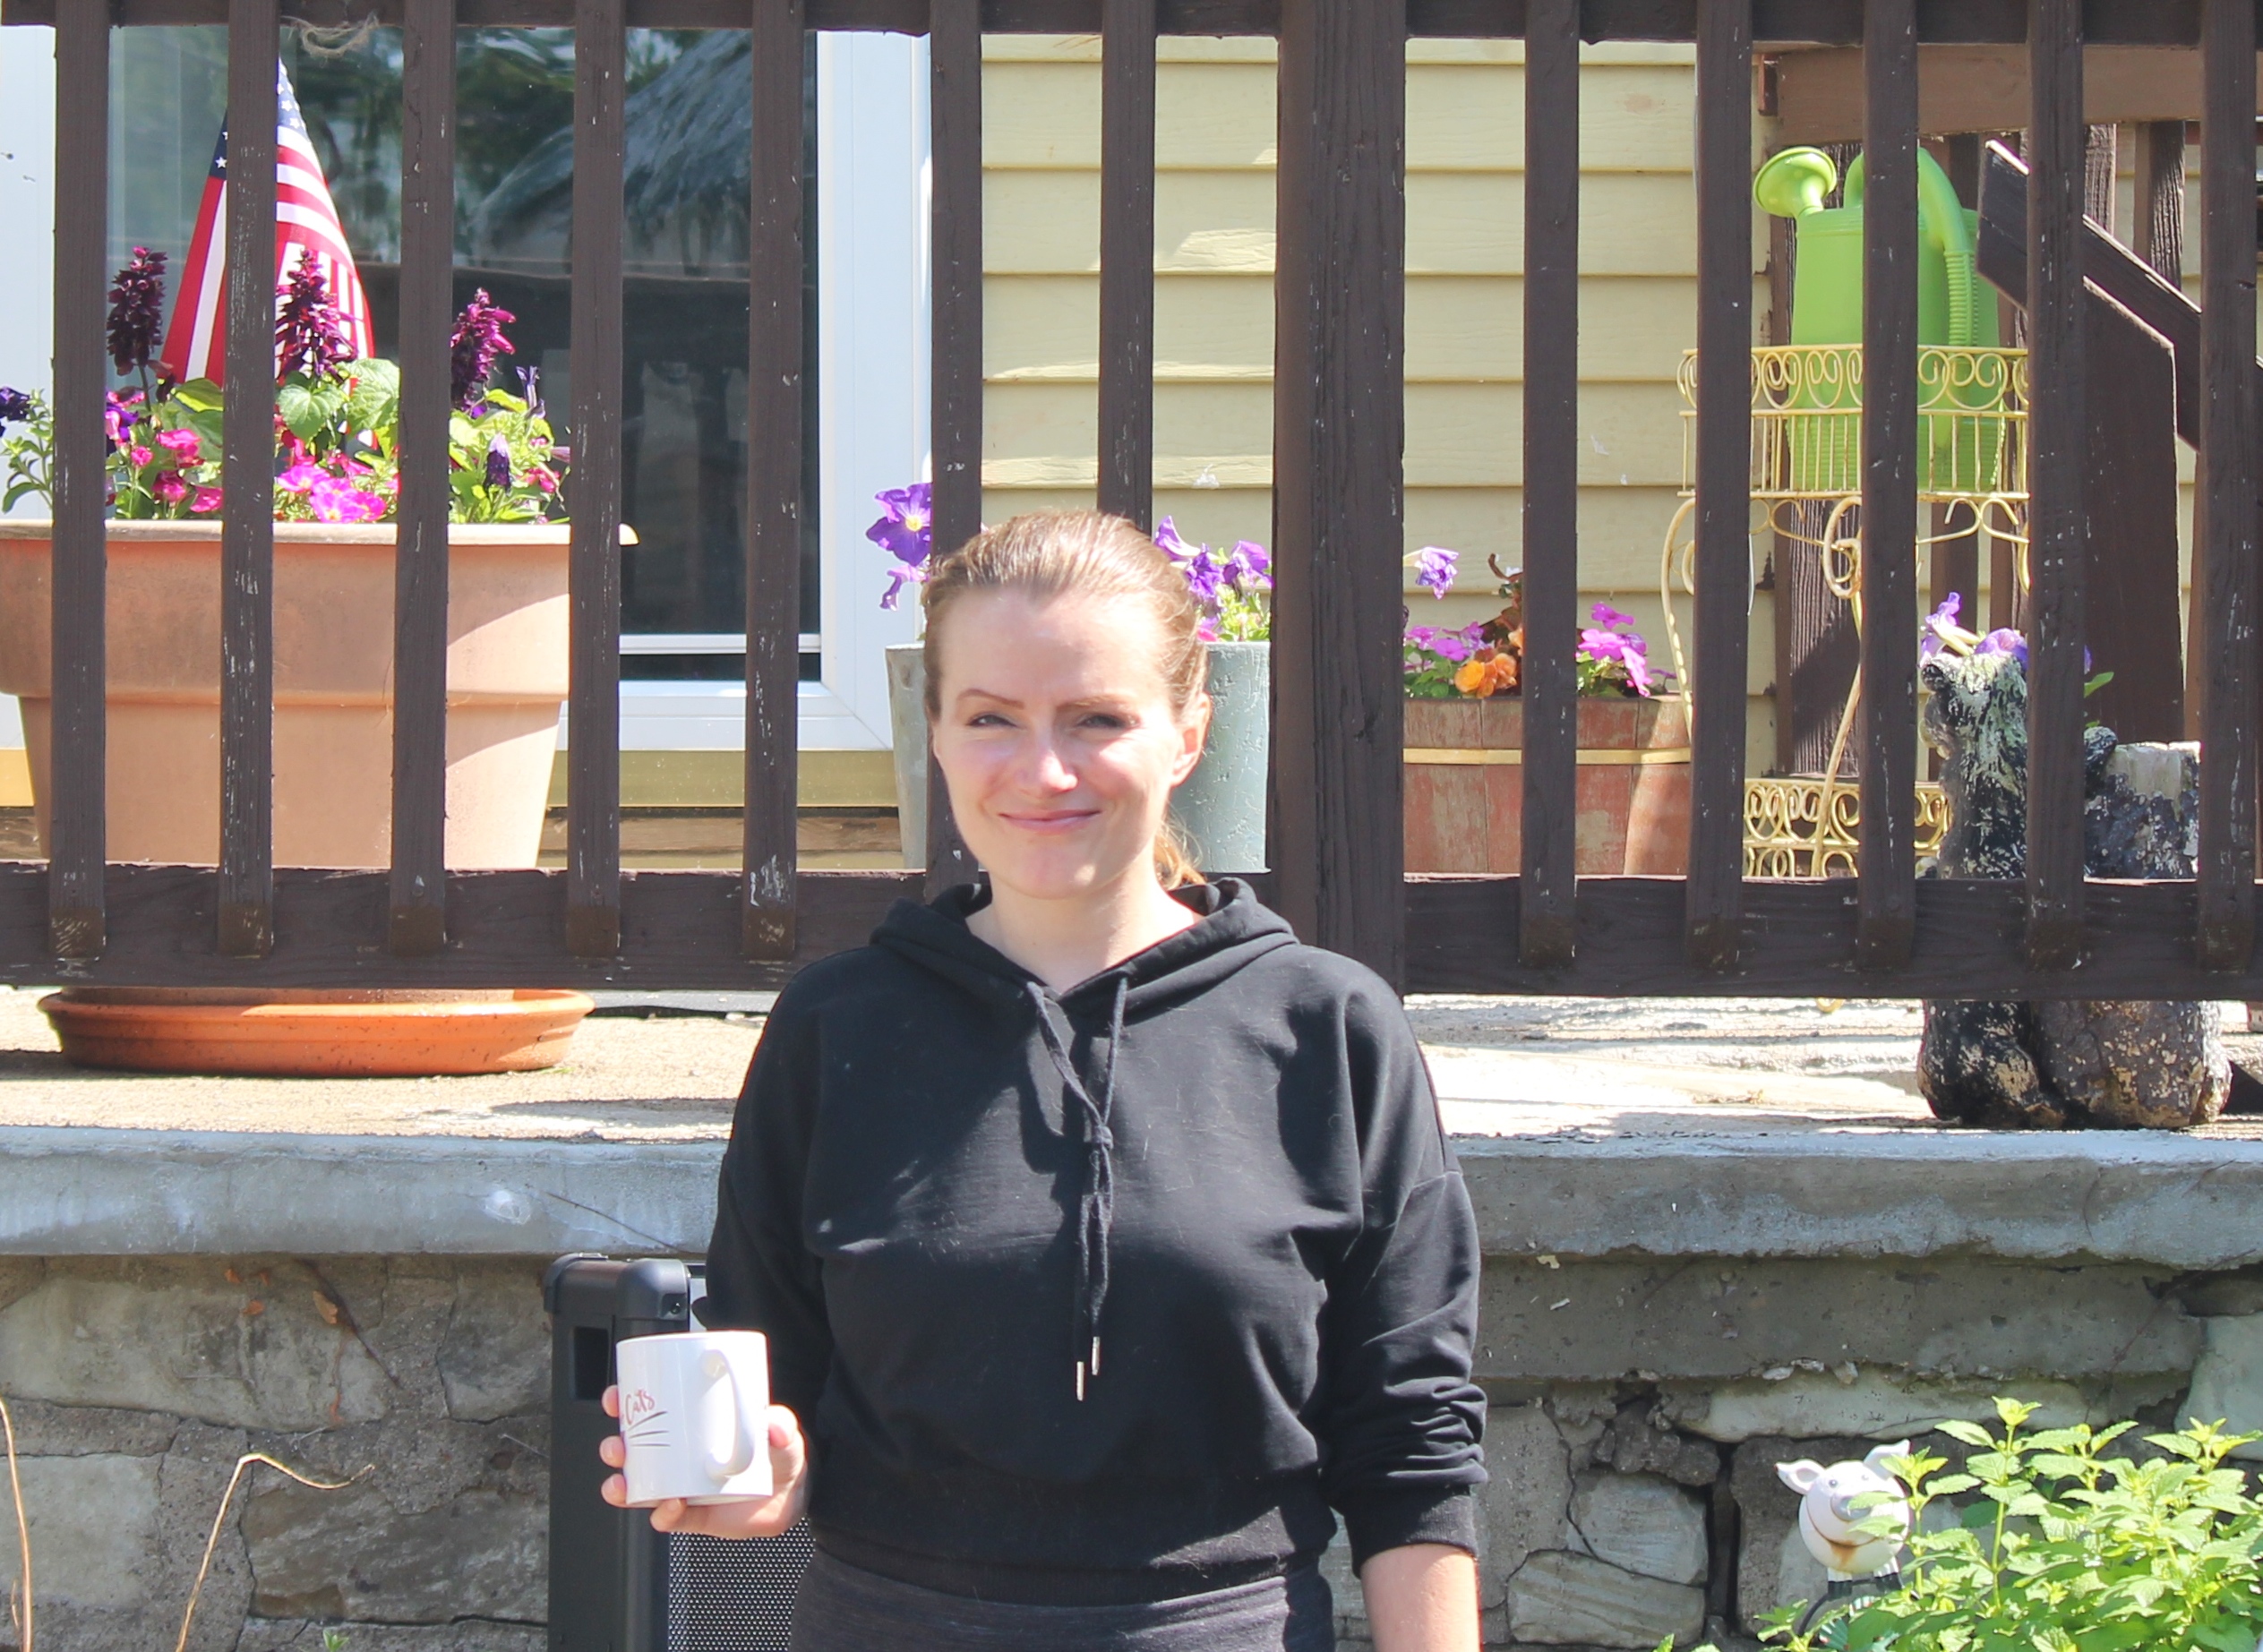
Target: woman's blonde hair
(1050,553)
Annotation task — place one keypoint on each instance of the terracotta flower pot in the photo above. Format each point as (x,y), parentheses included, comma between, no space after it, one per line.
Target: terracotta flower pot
(1465,786)
(313,1034)
(507,677)
(507,619)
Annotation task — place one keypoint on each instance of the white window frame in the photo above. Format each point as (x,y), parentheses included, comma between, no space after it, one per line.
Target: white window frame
(872,407)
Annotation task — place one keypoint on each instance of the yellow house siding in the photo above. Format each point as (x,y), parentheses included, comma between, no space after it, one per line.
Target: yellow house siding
(1464,364)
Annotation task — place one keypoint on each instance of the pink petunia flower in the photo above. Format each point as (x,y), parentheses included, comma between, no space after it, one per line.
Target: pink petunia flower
(182,444)
(141,456)
(303,475)
(206,501)
(169,488)
(333,498)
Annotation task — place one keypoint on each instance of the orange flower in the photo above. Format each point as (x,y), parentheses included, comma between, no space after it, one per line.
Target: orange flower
(1486,675)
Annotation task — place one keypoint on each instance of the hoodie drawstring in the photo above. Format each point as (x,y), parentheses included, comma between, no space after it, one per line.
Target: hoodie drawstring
(1096,1199)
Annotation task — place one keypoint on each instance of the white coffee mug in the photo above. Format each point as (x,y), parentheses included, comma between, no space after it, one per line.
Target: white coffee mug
(695,1414)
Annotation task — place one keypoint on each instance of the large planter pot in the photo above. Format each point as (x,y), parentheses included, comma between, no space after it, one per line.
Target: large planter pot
(507,630)
(907,729)
(333,676)
(1465,786)
(1221,808)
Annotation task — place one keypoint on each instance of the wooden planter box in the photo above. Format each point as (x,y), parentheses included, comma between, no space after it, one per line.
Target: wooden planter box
(1465,786)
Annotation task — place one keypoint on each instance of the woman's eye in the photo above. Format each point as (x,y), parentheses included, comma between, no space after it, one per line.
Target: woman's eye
(987,720)
(1106,720)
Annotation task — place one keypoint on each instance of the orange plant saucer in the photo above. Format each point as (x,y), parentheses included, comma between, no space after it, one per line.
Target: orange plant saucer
(295,1035)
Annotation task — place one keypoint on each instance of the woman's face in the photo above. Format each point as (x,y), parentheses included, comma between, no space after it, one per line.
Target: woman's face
(1057,737)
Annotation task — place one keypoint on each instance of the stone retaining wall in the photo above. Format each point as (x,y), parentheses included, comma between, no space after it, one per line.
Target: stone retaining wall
(1640,1400)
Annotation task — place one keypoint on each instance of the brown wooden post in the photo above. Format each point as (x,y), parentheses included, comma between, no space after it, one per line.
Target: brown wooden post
(1713,911)
(955,415)
(2101,169)
(419,890)
(1127,259)
(247,480)
(1888,899)
(2158,234)
(775,438)
(2131,574)
(2059,526)
(1551,480)
(2227,515)
(76,592)
(1339,441)
(593,724)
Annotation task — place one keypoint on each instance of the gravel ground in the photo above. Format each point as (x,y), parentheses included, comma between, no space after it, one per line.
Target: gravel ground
(1586,1067)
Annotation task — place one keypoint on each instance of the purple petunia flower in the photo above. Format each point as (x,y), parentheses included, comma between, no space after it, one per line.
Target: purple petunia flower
(1249,568)
(530,392)
(1433,568)
(310,335)
(1205,575)
(498,462)
(2004,641)
(1167,540)
(137,311)
(473,346)
(16,407)
(1940,625)
(906,532)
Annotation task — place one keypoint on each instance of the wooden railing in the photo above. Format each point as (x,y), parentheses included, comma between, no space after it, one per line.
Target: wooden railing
(1337,492)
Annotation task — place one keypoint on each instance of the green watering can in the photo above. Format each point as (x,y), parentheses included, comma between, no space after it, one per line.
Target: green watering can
(1958,443)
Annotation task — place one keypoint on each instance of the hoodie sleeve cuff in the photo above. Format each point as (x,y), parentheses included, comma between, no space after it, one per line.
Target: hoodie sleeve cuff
(1391,1519)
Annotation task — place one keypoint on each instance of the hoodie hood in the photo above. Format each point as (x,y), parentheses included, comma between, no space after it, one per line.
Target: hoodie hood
(1233,931)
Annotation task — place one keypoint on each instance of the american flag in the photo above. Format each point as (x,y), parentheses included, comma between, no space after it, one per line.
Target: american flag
(306,227)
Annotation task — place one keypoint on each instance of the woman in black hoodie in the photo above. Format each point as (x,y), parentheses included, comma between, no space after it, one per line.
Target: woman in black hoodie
(1106,1237)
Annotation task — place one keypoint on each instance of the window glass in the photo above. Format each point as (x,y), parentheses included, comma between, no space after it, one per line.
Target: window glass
(689,123)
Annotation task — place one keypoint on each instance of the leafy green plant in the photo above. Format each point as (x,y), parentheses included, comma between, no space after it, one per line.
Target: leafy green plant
(2064,1549)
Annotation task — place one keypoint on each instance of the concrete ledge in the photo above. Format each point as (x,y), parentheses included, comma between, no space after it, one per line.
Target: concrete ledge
(133,1193)
(2166,1201)
(2170,1201)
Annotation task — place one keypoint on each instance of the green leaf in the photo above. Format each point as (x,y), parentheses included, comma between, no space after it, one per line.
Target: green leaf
(373,401)
(309,410)
(199,396)
(1970,1434)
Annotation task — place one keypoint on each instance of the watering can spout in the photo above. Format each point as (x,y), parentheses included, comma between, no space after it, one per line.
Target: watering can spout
(1796,182)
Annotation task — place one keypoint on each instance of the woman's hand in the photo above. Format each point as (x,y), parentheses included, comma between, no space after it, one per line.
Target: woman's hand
(743,1517)
(1422,1598)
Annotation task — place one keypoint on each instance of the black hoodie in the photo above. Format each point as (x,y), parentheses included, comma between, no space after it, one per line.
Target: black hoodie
(1107,1294)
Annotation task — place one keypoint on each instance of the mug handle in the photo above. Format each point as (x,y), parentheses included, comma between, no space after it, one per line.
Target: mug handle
(750,1431)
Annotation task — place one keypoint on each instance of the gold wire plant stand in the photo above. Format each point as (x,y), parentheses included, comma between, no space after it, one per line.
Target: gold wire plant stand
(1806,486)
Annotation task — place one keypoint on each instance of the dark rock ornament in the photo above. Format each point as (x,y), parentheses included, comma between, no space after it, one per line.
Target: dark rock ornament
(2068,1064)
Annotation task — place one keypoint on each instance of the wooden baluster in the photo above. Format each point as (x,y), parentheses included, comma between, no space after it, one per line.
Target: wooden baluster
(419,914)
(774,484)
(1339,431)
(1551,480)
(79,743)
(593,727)
(2227,471)
(1127,259)
(247,481)
(2059,526)
(1887,921)
(955,415)
(1713,914)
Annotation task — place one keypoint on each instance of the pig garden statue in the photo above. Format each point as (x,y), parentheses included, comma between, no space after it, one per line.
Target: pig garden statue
(1832,1502)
